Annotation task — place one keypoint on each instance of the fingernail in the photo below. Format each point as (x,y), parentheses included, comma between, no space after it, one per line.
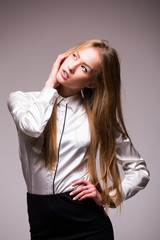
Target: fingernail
(71,193)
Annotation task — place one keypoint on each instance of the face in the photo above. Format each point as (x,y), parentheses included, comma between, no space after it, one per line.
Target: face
(79,69)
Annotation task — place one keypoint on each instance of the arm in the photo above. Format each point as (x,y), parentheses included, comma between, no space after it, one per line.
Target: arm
(134,167)
(31,111)
(135,179)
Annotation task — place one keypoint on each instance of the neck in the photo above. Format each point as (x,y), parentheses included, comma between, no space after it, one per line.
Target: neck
(67,92)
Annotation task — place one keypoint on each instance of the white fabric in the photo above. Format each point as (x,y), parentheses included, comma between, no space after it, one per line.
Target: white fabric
(31,112)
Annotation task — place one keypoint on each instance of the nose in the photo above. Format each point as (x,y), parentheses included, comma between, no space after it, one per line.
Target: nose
(70,69)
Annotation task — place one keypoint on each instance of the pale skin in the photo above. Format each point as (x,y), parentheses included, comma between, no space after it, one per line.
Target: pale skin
(71,72)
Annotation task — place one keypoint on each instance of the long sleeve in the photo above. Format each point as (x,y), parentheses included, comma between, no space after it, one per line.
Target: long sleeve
(31,111)
(136,174)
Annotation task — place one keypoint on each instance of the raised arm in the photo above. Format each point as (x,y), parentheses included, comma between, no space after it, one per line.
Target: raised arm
(31,111)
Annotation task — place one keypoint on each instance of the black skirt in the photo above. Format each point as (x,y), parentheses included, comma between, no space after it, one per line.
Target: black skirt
(59,217)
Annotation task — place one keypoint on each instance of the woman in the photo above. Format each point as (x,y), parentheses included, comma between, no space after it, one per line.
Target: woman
(71,137)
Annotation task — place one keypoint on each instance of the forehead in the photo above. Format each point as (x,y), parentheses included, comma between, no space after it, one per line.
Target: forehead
(91,56)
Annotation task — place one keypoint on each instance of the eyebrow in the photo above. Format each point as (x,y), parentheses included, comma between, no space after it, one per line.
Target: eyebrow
(84,62)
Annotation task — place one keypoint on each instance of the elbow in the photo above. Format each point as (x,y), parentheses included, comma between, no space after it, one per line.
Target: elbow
(134,182)
(145,177)
(142,173)
(9,102)
(141,178)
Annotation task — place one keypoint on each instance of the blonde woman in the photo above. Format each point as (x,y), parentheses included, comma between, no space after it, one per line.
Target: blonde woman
(71,137)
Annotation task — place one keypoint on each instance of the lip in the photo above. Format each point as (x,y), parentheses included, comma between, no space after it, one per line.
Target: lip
(64,74)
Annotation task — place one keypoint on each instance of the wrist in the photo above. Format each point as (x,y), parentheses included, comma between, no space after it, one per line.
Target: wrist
(51,84)
(47,84)
(99,200)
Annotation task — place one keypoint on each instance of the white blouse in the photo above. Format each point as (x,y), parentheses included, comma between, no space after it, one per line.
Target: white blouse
(31,112)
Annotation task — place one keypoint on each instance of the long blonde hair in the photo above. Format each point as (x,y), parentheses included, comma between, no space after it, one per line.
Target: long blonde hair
(103,107)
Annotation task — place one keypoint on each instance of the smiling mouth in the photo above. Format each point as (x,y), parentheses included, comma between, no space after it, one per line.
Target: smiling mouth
(64,74)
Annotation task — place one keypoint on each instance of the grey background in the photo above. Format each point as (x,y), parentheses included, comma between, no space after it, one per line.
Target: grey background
(33,33)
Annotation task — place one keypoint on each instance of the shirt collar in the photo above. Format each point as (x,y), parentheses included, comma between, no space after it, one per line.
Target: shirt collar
(73,101)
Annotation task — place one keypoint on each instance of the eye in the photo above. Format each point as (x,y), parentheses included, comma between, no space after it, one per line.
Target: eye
(74,56)
(84,68)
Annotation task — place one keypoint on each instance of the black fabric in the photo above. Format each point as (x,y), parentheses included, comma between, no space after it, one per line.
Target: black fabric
(59,217)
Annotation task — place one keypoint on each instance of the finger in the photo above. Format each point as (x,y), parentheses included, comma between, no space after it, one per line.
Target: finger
(82,194)
(79,189)
(59,60)
(57,63)
(81,181)
(85,196)
(91,193)
(83,190)
(62,56)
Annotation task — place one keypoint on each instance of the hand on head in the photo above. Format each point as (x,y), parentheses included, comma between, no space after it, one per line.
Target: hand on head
(52,80)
